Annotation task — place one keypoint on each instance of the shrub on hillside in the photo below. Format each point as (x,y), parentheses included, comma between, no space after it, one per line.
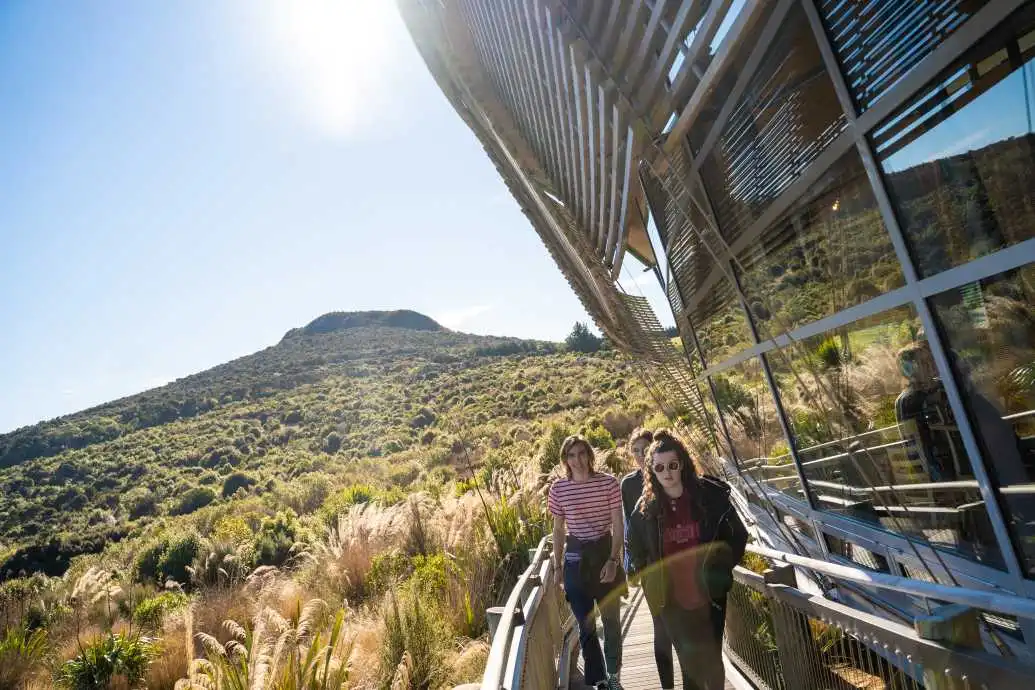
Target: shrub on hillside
(237,480)
(168,559)
(276,538)
(21,651)
(150,612)
(599,437)
(550,447)
(115,660)
(138,502)
(195,498)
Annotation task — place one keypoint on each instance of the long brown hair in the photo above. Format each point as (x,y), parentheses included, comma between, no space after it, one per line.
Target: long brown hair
(664,441)
(566,447)
(639,434)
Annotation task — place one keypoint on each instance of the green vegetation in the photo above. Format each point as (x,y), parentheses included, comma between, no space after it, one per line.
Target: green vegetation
(320,411)
(106,661)
(582,340)
(342,507)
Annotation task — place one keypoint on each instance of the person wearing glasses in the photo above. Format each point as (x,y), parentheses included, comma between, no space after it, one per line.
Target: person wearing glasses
(632,488)
(684,540)
(586,506)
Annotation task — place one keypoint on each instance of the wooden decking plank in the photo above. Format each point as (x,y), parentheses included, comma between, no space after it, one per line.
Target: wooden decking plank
(639,672)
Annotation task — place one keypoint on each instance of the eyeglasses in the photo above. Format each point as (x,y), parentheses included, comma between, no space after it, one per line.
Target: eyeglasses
(672,466)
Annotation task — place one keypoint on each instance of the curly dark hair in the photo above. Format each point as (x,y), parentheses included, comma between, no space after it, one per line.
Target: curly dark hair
(665,440)
(566,447)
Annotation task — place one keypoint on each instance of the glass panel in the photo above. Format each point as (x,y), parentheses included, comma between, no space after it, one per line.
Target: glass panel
(747,407)
(857,554)
(959,158)
(878,43)
(722,327)
(797,524)
(719,94)
(787,115)
(990,328)
(876,445)
(829,253)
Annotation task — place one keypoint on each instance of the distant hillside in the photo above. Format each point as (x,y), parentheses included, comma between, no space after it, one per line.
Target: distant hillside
(298,359)
(329,404)
(344,320)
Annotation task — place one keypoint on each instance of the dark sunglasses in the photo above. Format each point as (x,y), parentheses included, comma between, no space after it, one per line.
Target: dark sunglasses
(672,466)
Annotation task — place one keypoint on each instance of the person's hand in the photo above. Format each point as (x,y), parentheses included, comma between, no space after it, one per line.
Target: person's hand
(609,571)
(557,574)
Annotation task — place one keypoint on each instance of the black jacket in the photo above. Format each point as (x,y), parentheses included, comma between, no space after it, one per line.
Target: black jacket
(723,538)
(632,487)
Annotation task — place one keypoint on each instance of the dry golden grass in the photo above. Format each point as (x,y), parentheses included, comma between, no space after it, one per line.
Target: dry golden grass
(216,605)
(467,663)
(368,633)
(177,652)
(337,566)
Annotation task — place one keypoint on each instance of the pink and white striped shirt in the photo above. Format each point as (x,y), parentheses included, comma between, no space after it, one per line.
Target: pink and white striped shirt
(586,506)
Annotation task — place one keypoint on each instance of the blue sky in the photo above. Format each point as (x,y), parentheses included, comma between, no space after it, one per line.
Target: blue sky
(184,182)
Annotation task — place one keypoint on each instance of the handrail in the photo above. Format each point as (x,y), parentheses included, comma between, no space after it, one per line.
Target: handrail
(499,652)
(859,647)
(763,461)
(979,599)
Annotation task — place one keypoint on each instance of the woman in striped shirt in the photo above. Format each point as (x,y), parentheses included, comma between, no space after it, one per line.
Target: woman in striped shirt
(588,534)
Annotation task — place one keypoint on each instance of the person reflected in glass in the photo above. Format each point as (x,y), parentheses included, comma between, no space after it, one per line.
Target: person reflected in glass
(632,489)
(685,538)
(924,418)
(588,534)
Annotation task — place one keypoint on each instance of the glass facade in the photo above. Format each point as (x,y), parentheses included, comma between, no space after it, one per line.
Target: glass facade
(830,252)
(898,385)
(959,157)
(989,328)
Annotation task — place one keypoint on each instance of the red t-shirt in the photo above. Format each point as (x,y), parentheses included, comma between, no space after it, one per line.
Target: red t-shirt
(680,532)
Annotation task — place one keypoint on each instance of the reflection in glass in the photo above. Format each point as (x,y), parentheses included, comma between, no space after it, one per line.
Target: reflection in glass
(787,115)
(857,554)
(796,524)
(747,407)
(959,158)
(990,328)
(876,437)
(829,253)
(722,327)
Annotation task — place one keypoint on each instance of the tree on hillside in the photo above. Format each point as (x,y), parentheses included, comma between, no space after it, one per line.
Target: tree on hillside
(581,339)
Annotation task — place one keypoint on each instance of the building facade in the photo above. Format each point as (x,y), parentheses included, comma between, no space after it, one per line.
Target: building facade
(837,198)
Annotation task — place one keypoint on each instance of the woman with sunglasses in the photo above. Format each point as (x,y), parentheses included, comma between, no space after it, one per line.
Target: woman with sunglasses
(632,489)
(684,540)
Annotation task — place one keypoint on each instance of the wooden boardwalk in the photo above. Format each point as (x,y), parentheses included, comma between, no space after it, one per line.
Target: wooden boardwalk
(639,671)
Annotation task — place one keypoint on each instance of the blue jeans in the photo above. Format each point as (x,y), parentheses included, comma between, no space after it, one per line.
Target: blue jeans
(582,604)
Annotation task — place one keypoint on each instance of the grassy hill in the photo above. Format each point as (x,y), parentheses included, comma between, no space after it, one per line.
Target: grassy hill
(372,474)
(382,397)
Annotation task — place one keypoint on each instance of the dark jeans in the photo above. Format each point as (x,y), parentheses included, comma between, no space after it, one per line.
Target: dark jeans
(663,653)
(698,647)
(582,607)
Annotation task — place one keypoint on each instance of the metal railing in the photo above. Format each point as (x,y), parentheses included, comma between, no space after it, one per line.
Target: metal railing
(532,628)
(780,638)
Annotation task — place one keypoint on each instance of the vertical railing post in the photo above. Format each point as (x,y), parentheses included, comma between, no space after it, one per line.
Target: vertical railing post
(954,625)
(800,661)
(493,615)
